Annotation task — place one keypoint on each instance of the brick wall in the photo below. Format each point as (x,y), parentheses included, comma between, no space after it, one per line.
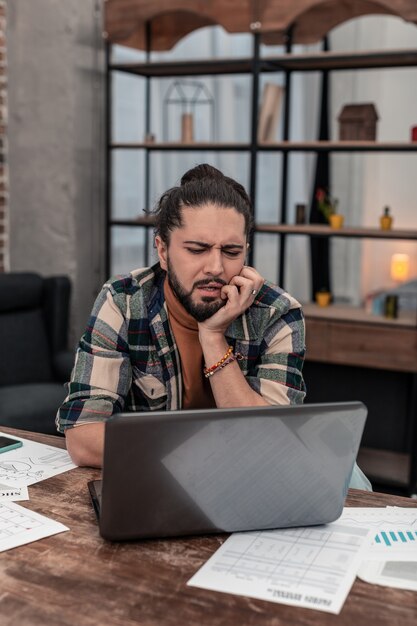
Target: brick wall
(4,234)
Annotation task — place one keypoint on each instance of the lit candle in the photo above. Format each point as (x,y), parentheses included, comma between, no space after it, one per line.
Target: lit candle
(400,267)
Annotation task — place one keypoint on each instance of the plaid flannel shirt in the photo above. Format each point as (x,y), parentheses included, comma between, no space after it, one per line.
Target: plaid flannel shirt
(127,359)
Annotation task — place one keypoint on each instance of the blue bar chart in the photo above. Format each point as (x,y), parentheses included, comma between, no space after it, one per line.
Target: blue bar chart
(395,538)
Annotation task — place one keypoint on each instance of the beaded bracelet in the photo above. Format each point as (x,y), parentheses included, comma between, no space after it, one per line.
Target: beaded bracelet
(222,363)
(214,367)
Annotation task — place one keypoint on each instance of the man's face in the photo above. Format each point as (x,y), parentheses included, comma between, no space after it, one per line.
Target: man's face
(202,256)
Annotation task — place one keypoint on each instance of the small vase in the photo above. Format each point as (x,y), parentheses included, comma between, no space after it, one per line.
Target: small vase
(386,219)
(386,222)
(187,128)
(336,220)
(323,298)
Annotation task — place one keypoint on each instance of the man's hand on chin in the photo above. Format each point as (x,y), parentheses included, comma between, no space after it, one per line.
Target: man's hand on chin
(239,295)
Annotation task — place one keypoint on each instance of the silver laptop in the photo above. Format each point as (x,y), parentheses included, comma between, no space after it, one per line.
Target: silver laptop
(223,470)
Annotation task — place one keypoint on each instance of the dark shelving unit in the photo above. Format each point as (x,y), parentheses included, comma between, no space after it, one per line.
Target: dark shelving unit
(287,64)
(255,66)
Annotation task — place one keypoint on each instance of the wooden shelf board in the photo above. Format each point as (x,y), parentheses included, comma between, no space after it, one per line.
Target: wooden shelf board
(182,146)
(286,62)
(342,312)
(384,466)
(366,59)
(139,221)
(322,230)
(161,69)
(307,229)
(339,146)
(278,146)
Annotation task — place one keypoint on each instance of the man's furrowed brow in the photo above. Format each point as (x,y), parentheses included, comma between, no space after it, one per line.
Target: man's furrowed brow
(204,244)
(232,246)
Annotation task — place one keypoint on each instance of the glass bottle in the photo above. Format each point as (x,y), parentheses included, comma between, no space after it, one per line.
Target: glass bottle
(386,219)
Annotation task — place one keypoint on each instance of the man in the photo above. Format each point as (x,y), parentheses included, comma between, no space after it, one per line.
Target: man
(199,329)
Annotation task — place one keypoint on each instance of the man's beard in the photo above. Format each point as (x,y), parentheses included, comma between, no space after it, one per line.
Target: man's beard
(201,311)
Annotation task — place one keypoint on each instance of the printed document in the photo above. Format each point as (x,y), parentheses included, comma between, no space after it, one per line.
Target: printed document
(32,463)
(13,494)
(310,567)
(399,574)
(19,526)
(394,531)
(391,559)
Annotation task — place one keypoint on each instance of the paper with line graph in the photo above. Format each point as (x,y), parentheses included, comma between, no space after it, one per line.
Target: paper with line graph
(9,494)
(395,531)
(32,463)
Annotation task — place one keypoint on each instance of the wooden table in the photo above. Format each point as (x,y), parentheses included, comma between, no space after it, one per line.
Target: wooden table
(78,579)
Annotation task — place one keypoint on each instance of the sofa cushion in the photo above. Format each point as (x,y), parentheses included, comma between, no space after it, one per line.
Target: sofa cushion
(26,292)
(25,347)
(31,407)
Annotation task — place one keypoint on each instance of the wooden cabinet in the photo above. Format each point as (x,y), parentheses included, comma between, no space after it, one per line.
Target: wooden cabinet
(350,336)
(355,355)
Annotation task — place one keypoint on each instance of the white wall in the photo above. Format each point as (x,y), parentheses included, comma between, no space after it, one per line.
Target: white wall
(55,144)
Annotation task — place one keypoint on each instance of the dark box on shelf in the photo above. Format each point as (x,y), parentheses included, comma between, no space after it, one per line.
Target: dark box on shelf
(357,122)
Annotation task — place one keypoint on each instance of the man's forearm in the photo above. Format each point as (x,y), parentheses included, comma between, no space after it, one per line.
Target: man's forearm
(230,389)
(85,444)
(228,384)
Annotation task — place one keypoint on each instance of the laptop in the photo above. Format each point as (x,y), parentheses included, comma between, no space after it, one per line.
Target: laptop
(176,473)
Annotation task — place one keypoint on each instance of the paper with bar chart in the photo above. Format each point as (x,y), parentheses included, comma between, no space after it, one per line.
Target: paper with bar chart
(395,537)
(391,559)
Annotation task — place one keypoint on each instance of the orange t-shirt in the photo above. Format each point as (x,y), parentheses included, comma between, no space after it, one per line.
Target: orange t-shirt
(197,392)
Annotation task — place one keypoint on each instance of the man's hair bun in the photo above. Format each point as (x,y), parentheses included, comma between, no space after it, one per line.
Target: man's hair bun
(204,170)
(200,186)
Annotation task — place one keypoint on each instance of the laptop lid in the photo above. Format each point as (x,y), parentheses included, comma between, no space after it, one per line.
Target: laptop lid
(191,472)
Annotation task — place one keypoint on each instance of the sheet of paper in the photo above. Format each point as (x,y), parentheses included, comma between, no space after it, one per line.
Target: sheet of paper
(32,463)
(19,526)
(391,558)
(307,567)
(394,531)
(13,494)
(399,574)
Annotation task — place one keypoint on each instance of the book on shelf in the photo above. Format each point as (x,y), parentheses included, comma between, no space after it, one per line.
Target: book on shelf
(406,295)
(269,113)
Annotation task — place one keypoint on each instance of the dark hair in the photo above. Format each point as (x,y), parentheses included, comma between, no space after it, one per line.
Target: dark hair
(201,185)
